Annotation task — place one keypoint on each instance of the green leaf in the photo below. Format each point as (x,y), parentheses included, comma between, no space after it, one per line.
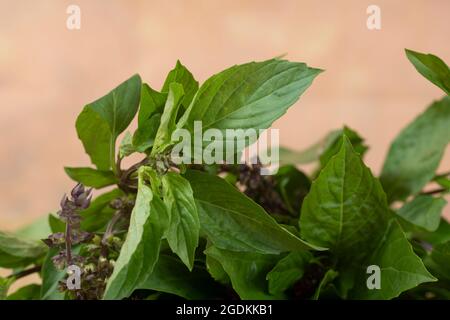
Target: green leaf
(441,235)
(400,268)
(247,271)
(233,221)
(180,74)
(152,102)
(346,210)
(441,257)
(423,211)
(149,118)
(415,154)
(432,68)
(327,279)
(324,149)
(251,95)
(216,270)
(17,252)
(126,147)
(144,136)
(183,232)
(292,185)
(29,292)
(310,154)
(140,250)
(171,276)
(355,139)
(5,283)
(56,225)
(91,177)
(101,122)
(288,271)
(39,229)
(443,181)
(168,118)
(51,276)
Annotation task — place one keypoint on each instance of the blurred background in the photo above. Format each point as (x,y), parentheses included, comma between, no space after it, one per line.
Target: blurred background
(48,72)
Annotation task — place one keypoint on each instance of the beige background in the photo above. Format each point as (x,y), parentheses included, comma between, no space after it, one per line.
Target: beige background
(47,72)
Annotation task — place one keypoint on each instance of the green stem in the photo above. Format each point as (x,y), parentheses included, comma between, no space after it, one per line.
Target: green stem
(25,272)
(112,155)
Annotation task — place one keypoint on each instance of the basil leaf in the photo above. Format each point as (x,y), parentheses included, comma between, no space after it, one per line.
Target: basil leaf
(144,136)
(355,139)
(292,185)
(441,257)
(5,283)
(247,271)
(56,225)
(101,122)
(440,235)
(423,211)
(16,252)
(180,74)
(415,154)
(432,68)
(251,95)
(288,271)
(91,177)
(324,149)
(151,102)
(140,250)
(168,118)
(183,232)
(126,147)
(233,221)
(401,269)
(39,229)
(310,154)
(29,292)
(443,181)
(346,210)
(327,279)
(171,276)
(216,270)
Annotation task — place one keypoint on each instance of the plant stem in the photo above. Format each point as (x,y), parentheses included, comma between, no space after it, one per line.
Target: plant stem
(127,173)
(25,273)
(68,243)
(440,190)
(109,231)
(442,175)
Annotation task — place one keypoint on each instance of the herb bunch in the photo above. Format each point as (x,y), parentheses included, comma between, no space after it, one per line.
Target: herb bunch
(222,231)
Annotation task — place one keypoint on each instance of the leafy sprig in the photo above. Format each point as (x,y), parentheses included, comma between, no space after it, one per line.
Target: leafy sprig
(225,231)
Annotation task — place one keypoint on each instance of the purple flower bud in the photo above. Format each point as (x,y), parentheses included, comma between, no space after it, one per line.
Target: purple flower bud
(81,236)
(59,261)
(83,200)
(77,191)
(55,239)
(63,201)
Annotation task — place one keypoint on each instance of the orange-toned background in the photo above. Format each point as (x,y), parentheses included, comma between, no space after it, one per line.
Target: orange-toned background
(47,72)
